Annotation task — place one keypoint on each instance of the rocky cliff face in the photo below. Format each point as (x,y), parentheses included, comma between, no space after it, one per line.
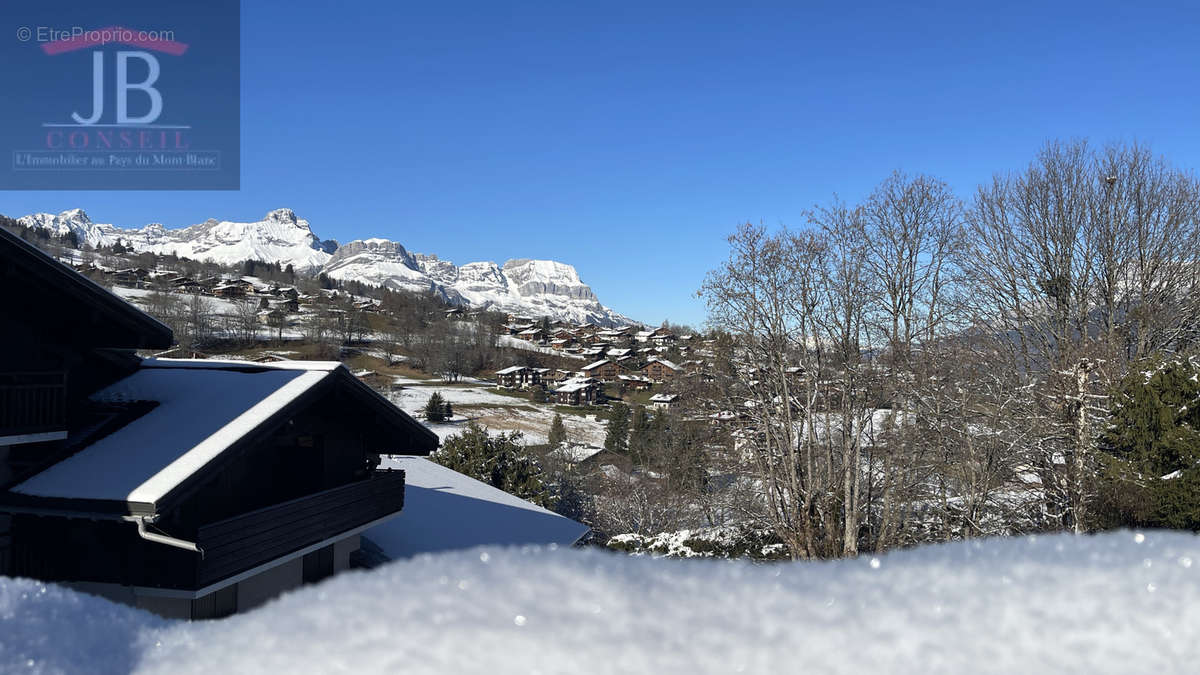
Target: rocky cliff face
(531,287)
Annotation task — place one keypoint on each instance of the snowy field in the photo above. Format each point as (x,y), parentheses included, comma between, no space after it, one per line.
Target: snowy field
(497,412)
(1115,603)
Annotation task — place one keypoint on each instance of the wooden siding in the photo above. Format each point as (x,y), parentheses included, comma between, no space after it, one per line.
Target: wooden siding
(242,542)
(32,402)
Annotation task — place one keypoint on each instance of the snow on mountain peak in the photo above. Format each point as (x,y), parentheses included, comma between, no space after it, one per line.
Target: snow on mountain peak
(523,286)
(75,215)
(533,288)
(283,216)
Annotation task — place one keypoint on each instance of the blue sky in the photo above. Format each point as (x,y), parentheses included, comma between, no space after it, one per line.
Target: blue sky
(629,139)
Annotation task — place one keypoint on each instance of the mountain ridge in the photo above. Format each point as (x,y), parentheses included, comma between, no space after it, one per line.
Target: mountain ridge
(523,286)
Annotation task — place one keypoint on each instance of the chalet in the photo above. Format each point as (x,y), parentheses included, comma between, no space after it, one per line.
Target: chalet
(531,334)
(577,392)
(193,489)
(511,377)
(663,401)
(519,377)
(610,336)
(636,382)
(555,375)
(661,370)
(185,284)
(285,292)
(207,284)
(285,304)
(134,277)
(604,370)
(366,305)
(236,288)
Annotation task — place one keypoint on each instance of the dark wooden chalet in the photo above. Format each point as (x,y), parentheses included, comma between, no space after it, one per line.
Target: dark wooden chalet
(190,488)
(661,370)
(519,377)
(577,392)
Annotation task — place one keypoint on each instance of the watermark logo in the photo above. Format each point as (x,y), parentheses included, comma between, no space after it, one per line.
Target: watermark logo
(123,107)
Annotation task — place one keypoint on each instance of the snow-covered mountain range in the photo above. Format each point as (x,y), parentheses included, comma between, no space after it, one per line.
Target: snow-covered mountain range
(534,288)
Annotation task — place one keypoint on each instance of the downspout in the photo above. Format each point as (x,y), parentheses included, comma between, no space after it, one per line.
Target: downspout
(162,538)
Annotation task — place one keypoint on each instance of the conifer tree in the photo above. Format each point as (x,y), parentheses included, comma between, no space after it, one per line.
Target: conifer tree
(435,408)
(499,461)
(617,437)
(558,432)
(1150,463)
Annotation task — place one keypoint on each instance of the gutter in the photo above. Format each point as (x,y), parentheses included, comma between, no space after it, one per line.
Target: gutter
(162,538)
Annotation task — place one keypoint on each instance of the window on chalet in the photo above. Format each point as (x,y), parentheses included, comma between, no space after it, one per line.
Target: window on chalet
(217,604)
(318,565)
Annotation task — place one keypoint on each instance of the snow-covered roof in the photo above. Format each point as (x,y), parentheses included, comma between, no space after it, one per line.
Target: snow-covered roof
(574,452)
(575,385)
(597,364)
(666,363)
(445,510)
(510,369)
(203,409)
(664,398)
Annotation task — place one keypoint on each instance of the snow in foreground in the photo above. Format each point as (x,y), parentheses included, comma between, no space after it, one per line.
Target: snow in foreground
(1113,603)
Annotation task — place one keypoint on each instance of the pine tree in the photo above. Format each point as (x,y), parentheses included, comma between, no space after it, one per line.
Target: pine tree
(449,410)
(1149,466)
(499,461)
(617,437)
(435,408)
(558,432)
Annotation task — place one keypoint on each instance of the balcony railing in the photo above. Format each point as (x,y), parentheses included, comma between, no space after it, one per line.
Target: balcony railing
(245,541)
(32,402)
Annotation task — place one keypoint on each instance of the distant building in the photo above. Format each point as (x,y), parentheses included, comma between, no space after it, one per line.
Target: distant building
(520,377)
(604,369)
(661,370)
(577,392)
(663,401)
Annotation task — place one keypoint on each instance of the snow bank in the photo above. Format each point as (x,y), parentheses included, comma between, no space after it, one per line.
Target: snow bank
(1113,603)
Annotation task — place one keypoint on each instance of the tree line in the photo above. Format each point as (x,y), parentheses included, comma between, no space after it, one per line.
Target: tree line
(917,367)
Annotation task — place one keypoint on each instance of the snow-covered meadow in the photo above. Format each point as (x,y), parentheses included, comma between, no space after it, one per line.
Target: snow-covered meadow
(498,412)
(1120,602)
